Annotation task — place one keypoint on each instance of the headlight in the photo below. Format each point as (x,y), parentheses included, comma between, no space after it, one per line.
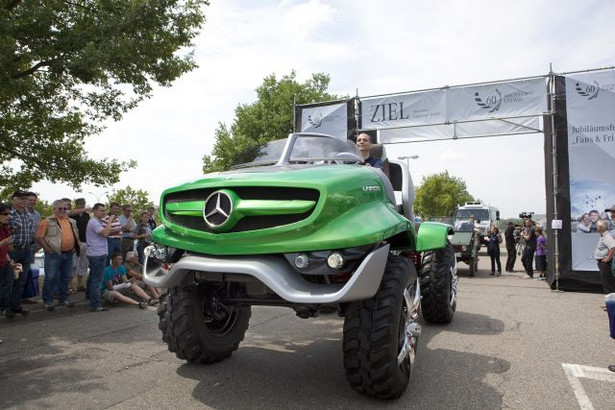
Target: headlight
(335,260)
(302,261)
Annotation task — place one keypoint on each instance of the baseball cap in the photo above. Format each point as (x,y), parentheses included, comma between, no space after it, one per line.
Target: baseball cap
(20,194)
(612,208)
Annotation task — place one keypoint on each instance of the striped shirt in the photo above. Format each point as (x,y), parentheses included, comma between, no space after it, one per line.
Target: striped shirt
(116,226)
(21,228)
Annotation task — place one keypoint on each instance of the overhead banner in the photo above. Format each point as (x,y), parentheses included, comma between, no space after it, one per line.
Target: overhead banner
(590,109)
(404,110)
(329,119)
(508,99)
(447,106)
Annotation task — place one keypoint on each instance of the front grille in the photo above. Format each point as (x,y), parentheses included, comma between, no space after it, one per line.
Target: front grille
(248,223)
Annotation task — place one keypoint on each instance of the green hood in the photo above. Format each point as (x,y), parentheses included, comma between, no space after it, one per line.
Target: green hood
(280,209)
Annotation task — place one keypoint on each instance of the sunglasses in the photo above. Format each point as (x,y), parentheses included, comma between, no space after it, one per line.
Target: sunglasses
(5,213)
(62,209)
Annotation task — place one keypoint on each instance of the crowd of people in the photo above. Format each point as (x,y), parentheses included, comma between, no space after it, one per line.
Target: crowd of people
(528,241)
(103,252)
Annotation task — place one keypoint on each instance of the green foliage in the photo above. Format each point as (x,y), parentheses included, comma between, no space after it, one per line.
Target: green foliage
(269,118)
(138,198)
(439,195)
(68,65)
(44,208)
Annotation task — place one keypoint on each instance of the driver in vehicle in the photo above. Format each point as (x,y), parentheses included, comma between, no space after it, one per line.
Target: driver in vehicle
(364,144)
(467,225)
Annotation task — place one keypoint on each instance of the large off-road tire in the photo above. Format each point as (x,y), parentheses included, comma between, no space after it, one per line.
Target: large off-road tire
(439,285)
(187,333)
(381,333)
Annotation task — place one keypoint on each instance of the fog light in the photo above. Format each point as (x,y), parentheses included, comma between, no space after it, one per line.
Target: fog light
(160,253)
(149,251)
(335,260)
(302,261)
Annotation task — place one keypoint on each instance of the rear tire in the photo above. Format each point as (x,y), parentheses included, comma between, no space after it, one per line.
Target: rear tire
(439,285)
(381,333)
(184,329)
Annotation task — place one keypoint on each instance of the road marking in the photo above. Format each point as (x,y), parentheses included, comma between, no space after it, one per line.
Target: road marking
(575,372)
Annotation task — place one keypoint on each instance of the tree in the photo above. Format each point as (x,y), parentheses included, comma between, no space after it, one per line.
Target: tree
(439,195)
(137,198)
(267,119)
(67,66)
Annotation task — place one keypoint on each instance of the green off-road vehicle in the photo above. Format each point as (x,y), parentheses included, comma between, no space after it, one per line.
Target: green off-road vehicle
(305,226)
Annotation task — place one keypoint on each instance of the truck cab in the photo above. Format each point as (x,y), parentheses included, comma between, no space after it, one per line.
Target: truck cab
(484,217)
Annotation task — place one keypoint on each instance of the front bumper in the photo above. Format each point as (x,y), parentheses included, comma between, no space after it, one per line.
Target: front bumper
(276,274)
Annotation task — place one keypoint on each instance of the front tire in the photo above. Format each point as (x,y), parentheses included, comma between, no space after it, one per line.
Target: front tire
(381,333)
(192,335)
(439,285)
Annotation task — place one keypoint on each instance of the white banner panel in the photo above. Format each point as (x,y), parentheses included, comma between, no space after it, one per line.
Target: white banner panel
(460,104)
(508,99)
(510,126)
(402,110)
(326,119)
(590,106)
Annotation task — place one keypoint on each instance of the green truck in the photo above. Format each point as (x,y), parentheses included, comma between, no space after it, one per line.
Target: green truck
(307,226)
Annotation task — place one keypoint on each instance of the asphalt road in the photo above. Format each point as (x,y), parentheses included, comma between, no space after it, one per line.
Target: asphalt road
(512,344)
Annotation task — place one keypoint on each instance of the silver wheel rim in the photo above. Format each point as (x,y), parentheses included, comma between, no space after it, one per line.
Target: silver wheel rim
(454,283)
(411,329)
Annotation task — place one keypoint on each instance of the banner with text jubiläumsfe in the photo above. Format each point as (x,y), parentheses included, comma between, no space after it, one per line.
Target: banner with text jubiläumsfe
(590,110)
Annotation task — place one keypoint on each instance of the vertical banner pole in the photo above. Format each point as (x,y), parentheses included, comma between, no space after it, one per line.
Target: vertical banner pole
(555,175)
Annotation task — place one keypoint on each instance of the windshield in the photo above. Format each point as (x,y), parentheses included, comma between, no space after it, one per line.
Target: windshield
(312,149)
(305,149)
(479,214)
(267,154)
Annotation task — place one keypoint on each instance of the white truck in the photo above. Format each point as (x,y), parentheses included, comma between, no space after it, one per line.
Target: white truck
(484,217)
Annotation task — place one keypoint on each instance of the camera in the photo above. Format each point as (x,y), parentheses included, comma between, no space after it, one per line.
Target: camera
(526,215)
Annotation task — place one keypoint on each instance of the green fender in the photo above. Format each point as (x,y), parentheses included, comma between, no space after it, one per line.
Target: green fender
(432,235)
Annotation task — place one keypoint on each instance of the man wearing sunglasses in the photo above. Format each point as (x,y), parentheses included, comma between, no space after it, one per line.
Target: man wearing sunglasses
(58,236)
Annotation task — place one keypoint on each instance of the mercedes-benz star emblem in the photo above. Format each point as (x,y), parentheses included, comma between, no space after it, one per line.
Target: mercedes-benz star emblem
(218,209)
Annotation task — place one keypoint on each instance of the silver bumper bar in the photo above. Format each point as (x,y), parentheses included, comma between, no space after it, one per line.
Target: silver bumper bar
(277,275)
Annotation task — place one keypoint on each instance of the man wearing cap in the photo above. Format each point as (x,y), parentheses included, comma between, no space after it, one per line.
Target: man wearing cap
(604,255)
(59,237)
(22,236)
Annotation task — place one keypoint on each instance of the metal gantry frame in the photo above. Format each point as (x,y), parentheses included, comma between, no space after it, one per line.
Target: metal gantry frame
(550,113)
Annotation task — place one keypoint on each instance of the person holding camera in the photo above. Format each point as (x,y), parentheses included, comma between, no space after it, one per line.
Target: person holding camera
(509,235)
(529,235)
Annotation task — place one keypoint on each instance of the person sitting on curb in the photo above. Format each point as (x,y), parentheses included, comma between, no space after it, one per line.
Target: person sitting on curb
(134,270)
(115,287)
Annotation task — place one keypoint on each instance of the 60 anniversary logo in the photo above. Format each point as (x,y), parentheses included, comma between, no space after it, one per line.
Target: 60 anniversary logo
(590,91)
(491,102)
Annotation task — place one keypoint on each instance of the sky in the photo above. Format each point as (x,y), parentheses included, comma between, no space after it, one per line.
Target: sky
(367,48)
